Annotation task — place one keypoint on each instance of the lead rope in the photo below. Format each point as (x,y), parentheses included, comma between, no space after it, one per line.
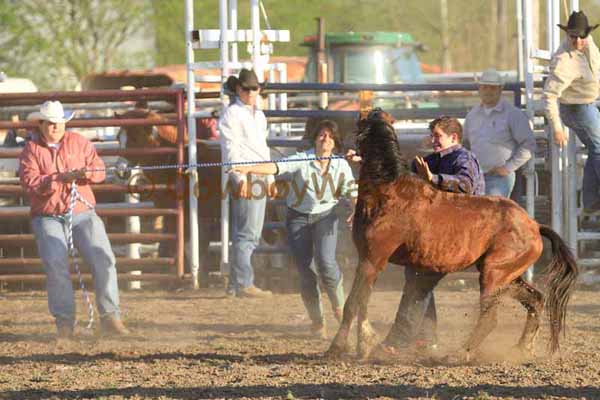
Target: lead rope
(121,168)
(69,221)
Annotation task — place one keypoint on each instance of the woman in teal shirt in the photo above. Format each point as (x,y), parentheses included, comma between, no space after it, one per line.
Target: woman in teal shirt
(313,191)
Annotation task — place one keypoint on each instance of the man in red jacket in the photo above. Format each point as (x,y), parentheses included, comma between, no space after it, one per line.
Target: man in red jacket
(49,164)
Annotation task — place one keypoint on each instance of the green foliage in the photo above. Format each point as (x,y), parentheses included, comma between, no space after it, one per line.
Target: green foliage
(473,46)
(57,42)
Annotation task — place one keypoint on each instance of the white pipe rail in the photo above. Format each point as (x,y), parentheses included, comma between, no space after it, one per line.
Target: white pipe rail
(192,151)
(283,105)
(256,36)
(225,70)
(233,25)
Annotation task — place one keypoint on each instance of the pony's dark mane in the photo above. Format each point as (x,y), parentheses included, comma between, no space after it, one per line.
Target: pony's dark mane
(382,161)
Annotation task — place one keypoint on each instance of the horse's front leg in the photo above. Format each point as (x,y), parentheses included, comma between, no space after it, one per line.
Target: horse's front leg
(358,292)
(366,336)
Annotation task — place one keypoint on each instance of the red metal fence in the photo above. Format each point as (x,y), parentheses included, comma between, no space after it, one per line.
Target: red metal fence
(28,269)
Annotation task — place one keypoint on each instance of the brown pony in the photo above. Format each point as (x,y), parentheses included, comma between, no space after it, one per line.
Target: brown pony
(405,220)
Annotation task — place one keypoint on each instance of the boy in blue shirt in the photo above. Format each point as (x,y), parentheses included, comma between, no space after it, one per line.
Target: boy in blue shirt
(452,168)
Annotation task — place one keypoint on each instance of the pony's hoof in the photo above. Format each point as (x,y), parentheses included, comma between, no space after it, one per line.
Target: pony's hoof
(363,352)
(459,358)
(522,352)
(336,351)
(365,347)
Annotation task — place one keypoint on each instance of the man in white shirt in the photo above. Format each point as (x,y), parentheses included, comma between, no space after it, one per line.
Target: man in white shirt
(499,134)
(243,134)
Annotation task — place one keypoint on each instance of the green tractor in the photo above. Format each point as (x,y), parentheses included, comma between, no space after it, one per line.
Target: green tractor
(364,57)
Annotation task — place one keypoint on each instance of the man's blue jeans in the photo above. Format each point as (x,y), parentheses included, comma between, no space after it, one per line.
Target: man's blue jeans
(496,185)
(584,120)
(248,216)
(314,236)
(91,241)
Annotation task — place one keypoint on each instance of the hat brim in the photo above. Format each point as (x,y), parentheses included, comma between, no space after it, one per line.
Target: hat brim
(62,120)
(35,116)
(591,28)
(249,87)
(579,32)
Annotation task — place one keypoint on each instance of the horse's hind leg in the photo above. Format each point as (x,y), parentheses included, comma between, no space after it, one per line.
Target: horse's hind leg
(490,291)
(533,301)
(488,319)
(502,265)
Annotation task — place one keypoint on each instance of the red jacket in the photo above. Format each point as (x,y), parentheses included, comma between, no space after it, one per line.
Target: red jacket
(39,168)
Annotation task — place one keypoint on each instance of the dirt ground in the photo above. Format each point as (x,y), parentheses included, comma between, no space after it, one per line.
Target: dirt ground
(199,344)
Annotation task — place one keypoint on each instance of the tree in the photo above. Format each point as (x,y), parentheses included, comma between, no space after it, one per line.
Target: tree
(445,37)
(502,37)
(58,42)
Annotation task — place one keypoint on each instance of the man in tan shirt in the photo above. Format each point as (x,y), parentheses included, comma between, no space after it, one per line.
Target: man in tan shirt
(569,95)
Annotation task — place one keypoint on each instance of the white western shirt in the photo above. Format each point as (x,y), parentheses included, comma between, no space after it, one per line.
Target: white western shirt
(243,136)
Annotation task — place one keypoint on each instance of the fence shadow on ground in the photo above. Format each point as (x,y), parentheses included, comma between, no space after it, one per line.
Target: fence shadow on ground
(326,391)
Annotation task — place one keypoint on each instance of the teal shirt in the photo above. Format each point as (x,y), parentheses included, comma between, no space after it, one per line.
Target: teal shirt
(310,193)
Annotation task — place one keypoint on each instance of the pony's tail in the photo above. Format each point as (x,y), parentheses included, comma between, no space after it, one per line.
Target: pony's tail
(562,274)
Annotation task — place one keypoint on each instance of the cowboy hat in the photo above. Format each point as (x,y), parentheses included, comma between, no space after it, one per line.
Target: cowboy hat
(247,79)
(490,77)
(578,25)
(53,111)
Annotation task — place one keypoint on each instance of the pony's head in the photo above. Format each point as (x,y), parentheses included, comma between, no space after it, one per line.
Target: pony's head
(139,136)
(378,146)
(376,113)
(148,136)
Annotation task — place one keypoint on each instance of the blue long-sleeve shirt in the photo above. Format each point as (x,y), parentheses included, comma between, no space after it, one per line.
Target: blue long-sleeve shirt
(455,169)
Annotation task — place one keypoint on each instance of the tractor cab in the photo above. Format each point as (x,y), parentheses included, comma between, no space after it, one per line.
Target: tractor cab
(367,57)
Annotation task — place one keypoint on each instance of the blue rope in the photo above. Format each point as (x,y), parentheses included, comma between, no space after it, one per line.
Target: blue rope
(124,168)
(75,196)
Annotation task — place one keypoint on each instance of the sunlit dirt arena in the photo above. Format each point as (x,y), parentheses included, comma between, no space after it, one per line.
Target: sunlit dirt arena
(199,344)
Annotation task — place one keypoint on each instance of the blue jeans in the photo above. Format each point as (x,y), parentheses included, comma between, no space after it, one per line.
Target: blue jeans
(584,120)
(416,318)
(91,241)
(314,236)
(496,185)
(248,216)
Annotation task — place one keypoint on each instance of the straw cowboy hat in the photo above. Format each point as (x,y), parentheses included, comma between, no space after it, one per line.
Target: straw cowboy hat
(53,111)
(578,25)
(490,77)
